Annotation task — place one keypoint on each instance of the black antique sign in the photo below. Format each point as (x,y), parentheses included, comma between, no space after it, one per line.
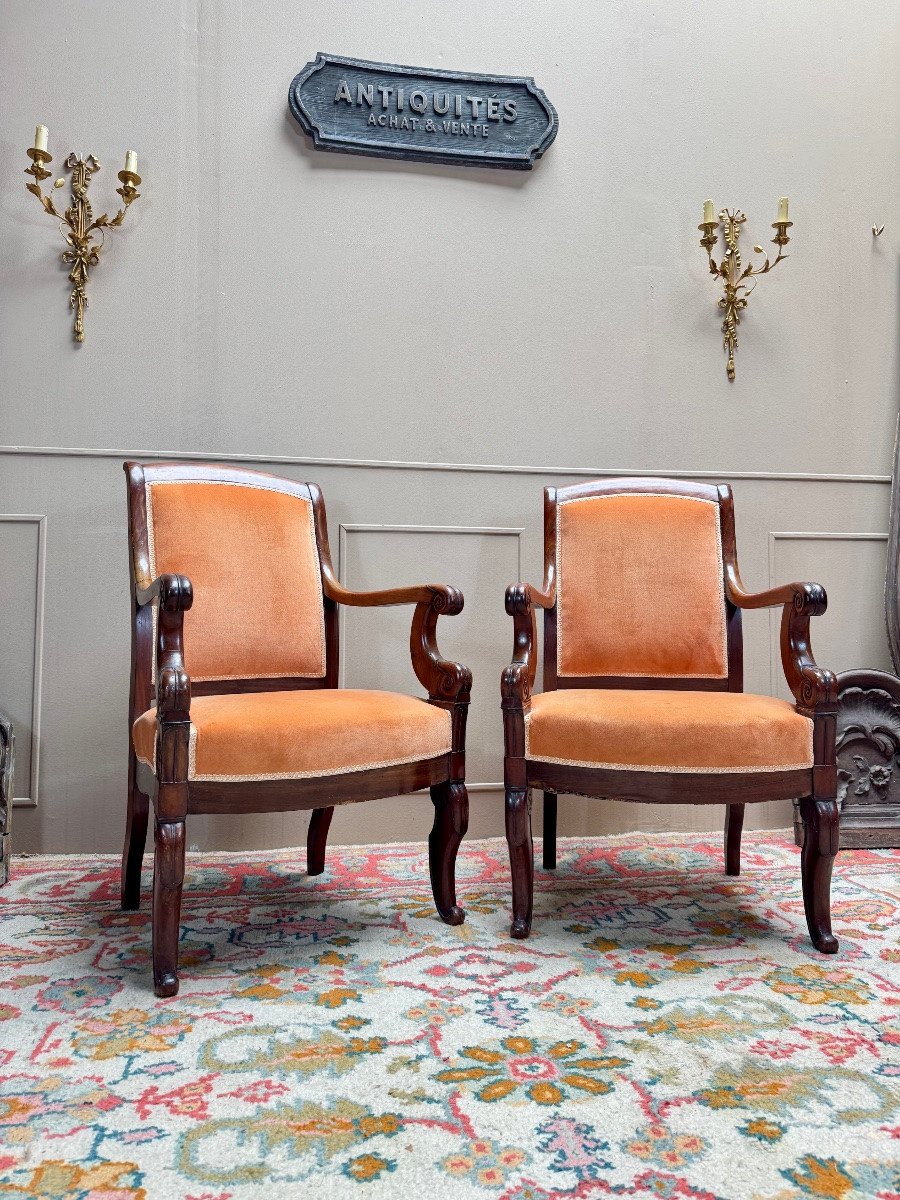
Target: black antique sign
(359,107)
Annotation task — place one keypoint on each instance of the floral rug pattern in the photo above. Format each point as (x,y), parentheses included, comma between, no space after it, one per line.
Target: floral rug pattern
(666,1031)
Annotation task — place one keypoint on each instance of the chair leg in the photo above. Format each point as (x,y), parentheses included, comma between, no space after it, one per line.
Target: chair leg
(451,820)
(521,859)
(734,823)
(549,831)
(316,837)
(168,876)
(135,840)
(821,838)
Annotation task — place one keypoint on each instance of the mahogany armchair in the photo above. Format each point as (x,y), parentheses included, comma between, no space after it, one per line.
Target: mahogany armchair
(235,705)
(643,679)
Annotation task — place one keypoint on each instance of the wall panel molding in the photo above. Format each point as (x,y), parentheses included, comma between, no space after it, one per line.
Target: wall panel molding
(477,530)
(404,465)
(31,800)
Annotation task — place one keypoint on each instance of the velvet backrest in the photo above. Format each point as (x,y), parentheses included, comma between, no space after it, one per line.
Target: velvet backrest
(248,543)
(640,591)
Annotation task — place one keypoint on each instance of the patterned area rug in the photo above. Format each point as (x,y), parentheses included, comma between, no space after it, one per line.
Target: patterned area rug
(666,1032)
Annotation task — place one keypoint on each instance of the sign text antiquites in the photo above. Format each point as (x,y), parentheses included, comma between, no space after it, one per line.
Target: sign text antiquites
(358,107)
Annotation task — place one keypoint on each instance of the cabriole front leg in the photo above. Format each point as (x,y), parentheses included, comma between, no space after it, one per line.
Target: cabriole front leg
(821,837)
(168,877)
(451,820)
(521,859)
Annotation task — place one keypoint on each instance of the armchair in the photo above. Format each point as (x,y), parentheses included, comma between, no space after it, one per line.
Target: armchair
(235,705)
(643,679)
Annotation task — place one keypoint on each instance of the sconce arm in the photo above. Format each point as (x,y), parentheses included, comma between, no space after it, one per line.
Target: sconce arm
(47,201)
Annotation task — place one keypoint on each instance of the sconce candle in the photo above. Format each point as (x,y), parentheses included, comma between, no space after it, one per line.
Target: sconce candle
(731,270)
(79,225)
(708,213)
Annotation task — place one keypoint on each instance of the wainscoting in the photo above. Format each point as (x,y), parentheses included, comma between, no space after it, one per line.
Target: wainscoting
(66,631)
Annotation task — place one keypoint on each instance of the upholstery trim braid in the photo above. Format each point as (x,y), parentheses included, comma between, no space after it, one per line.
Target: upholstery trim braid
(640,587)
(258,611)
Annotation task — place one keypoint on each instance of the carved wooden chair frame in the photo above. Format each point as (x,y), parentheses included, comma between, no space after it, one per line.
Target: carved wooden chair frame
(448,685)
(814,690)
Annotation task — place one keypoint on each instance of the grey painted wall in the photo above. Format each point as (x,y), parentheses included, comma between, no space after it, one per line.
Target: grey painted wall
(369,325)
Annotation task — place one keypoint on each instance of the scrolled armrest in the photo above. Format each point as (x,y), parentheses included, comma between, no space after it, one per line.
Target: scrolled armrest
(517,680)
(173,684)
(814,688)
(451,597)
(808,597)
(518,594)
(174,593)
(173,694)
(441,678)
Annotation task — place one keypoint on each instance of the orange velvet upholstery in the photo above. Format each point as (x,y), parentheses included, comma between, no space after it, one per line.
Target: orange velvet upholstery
(640,587)
(668,731)
(250,553)
(300,734)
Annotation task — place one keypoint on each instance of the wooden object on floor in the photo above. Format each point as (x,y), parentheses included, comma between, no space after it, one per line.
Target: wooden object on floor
(241,602)
(868,761)
(642,581)
(7,775)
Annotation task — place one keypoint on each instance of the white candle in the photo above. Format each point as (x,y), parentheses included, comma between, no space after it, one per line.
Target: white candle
(782,211)
(708,217)
(131,161)
(41,137)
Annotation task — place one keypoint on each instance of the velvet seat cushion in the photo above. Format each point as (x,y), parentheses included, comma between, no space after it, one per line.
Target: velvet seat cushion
(668,731)
(300,734)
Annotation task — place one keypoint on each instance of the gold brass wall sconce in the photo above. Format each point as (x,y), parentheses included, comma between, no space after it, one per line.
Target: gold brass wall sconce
(730,269)
(78,223)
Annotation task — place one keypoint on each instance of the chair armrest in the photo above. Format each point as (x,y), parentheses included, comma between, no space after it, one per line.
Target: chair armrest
(173,684)
(174,592)
(442,679)
(388,597)
(517,681)
(811,595)
(814,688)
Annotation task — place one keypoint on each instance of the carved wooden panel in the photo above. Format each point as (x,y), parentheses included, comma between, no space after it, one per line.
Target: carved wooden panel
(868,757)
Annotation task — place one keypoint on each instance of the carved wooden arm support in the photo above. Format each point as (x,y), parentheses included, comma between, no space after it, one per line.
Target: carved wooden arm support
(442,679)
(814,688)
(517,681)
(173,684)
